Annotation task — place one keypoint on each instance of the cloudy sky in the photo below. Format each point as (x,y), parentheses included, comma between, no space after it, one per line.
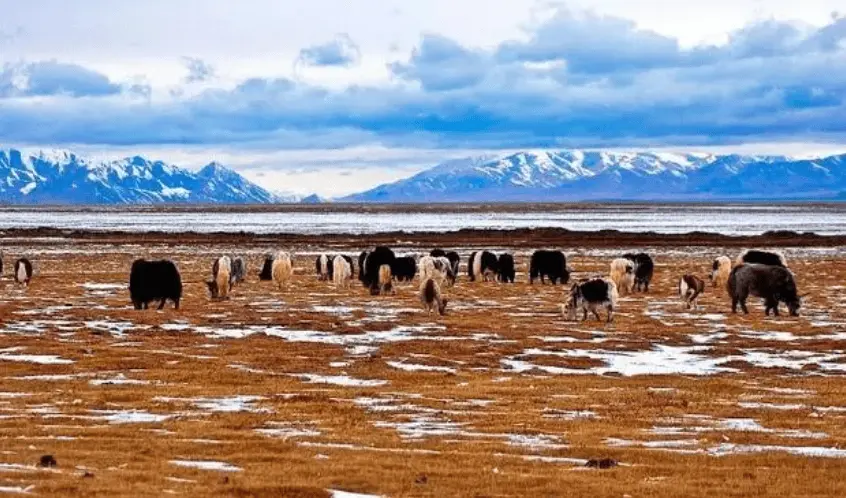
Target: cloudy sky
(334,96)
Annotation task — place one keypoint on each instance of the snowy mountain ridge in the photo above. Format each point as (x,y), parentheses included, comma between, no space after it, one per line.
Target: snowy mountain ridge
(575,175)
(61,177)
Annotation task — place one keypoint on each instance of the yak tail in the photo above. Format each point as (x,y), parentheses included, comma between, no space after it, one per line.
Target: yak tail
(614,294)
(22,273)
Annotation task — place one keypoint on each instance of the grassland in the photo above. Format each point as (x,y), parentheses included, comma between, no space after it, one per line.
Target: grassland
(312,389)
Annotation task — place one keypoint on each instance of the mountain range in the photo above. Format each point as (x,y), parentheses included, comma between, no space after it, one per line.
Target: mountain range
(62,177)
(574,175)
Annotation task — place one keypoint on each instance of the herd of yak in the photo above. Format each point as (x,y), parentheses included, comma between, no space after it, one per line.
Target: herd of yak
(755,272)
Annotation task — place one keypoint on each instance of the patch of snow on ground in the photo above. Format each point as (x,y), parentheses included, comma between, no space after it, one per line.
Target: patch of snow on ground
(206,465)
(413,367)
(115,328)
(661,360)
(422,427)
(17,490)
(130,416)
(346,494)
(806,451)
(339,380)
(119,379)
(31,358)
(708,424)
(228,404)
(569,414)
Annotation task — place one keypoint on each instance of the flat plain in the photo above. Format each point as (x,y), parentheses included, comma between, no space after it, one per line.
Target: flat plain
(313,390)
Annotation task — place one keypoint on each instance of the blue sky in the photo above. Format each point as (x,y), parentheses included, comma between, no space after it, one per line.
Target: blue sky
(288,92)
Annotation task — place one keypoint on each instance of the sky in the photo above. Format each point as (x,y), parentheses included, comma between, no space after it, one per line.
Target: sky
(331,96)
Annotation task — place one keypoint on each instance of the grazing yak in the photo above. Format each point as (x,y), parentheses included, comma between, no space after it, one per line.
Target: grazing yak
(622,274)
(266,273)
(591,296)
(430,296)
(506,268)
(342,272)
(548,264)
(720,270)
(23,271)
(404,268)
(349,260)
(283,269)
(644,269)
(239,270)
(455,260)
(372,264)
(485,265)
(439,269)
(471,261)
(447,268)
(452,256)
(774,284)
(152,281)
(324,267)
(220,283)
(690,288)
(757,256)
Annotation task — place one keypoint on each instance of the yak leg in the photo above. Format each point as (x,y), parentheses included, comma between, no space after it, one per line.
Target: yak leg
(610,313)
(773,305)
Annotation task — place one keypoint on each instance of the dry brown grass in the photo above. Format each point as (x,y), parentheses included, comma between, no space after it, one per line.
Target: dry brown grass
(503,432)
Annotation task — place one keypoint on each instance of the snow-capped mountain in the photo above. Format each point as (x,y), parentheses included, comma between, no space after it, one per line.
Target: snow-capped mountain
(314,199)
(286,197)
(61,177)
(574,175)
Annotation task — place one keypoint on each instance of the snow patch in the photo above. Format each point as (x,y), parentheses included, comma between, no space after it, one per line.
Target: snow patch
(206,465)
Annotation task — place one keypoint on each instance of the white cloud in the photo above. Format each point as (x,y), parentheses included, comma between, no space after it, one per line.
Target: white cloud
(262,38)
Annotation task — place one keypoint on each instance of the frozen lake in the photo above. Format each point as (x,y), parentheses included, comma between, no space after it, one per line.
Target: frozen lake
(726,219)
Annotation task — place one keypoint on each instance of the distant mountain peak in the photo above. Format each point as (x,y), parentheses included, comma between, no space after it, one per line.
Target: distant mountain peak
(58,176)
(214,168)
(313,199)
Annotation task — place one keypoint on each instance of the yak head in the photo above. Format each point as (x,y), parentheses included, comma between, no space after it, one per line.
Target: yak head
(213,290)
(794,304)
(442,306)
(793,307)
